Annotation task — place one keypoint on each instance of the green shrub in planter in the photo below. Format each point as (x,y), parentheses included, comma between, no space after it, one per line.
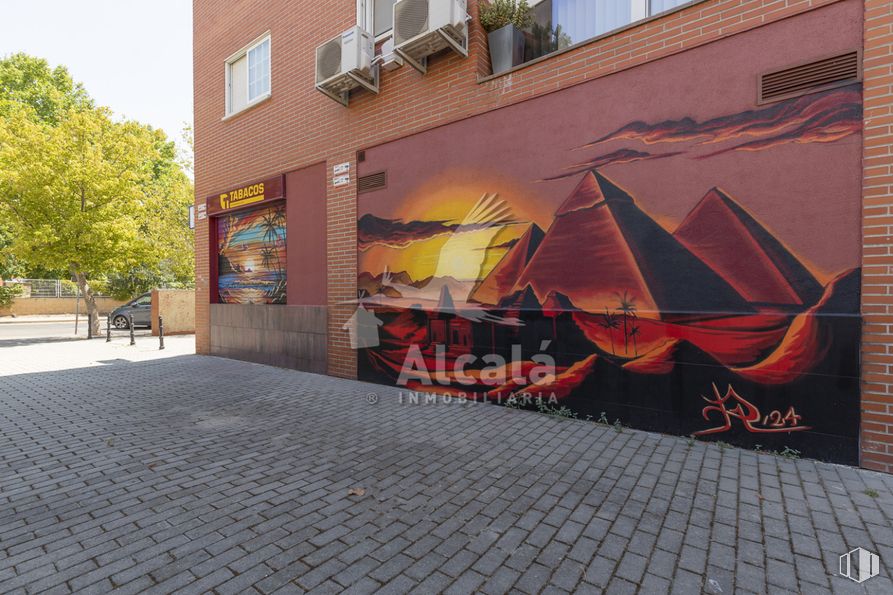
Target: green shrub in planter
(496,14)
(504,20)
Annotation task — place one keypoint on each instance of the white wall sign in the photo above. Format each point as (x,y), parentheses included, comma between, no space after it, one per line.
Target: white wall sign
(341,169)
(339,181)
(202,211)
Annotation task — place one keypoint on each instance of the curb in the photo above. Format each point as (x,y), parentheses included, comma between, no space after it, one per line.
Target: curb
(21,320)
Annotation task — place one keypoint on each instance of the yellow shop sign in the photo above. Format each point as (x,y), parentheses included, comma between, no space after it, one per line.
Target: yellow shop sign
(242,196)
(269,189)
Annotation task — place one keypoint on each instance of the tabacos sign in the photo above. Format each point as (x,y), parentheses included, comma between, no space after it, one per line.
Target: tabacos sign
(249,194)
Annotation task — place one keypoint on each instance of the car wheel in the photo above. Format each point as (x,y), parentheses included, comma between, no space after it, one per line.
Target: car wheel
(120,322)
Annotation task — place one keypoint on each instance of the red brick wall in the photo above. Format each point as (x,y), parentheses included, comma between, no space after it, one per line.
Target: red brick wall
(299,126)
(877,279)
(342,274)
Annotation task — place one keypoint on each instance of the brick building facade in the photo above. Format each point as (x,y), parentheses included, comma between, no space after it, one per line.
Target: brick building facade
(299,135)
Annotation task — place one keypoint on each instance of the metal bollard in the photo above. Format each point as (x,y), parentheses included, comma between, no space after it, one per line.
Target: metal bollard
(132,339)
(108,328)
(160,333)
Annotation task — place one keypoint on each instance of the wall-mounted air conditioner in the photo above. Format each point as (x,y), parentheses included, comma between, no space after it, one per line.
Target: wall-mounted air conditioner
(423,27)
(344,63)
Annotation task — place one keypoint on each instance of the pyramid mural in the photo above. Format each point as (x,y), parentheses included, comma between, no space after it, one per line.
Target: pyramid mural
(616,247)
(746,254)
(506,272)
(615,260)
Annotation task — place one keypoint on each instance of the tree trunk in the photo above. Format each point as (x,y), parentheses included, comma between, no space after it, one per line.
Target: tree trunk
(89,299)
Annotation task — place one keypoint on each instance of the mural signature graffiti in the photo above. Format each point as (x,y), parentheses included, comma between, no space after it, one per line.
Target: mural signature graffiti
(749,415)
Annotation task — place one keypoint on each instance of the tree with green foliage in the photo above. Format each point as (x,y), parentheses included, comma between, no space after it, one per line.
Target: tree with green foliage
(85,193)
(49,92)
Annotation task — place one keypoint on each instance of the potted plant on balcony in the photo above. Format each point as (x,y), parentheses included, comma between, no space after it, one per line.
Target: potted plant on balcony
(504,21)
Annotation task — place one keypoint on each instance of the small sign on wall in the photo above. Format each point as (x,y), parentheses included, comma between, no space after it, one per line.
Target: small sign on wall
(191,216)
(341,169)
(202,212)
(339,181)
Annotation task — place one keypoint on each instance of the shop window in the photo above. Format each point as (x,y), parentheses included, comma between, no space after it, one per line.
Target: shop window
(251,256)
(248,78)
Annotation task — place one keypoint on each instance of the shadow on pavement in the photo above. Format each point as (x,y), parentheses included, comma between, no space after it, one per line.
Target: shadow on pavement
(117,335)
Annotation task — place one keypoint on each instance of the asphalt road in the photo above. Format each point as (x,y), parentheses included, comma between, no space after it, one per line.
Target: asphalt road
(38,330)
(14,334)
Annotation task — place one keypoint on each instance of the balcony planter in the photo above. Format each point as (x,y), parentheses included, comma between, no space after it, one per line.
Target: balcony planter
(506,48)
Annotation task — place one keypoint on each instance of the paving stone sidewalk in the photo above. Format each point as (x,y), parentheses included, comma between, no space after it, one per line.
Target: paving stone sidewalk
(46,354)
(197,474)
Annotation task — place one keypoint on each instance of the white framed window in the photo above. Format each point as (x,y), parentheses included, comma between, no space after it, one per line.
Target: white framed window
(559,24)
(376,16)
(248,79)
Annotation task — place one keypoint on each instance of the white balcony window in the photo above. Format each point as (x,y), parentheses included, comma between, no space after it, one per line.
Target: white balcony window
(248,78)
(558,24)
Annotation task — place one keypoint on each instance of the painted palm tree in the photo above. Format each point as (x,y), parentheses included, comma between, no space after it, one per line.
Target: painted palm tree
(224,230)
(271,224)
(267,257)
(279,216)
(609,323)
(627,306)
(634,332)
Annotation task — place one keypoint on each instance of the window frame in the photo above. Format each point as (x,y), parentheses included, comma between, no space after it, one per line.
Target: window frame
(651,16)
(366,20)
(228,64)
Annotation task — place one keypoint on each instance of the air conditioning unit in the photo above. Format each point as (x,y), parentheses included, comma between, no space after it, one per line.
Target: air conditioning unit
(344,63)
(424,27)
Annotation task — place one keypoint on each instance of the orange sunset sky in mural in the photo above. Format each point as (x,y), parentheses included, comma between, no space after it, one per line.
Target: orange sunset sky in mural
(441,198)
(764,158)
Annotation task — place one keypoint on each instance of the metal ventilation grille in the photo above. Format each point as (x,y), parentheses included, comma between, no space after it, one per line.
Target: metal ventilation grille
(372,182)
(835,71)
(410,19)
(328,60)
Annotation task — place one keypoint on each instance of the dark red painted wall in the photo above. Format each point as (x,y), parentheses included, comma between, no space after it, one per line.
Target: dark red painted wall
(542,225)
(305,191)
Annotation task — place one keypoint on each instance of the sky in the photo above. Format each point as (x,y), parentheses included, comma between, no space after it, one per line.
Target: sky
(134,56)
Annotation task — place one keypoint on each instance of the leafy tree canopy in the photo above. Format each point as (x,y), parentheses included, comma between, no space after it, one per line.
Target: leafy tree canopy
(85,193)
(49,92)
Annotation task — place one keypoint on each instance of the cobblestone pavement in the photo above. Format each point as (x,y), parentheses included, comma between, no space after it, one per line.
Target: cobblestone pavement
(196,474)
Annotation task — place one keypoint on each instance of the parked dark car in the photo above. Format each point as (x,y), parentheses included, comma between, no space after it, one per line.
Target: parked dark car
(141,309)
